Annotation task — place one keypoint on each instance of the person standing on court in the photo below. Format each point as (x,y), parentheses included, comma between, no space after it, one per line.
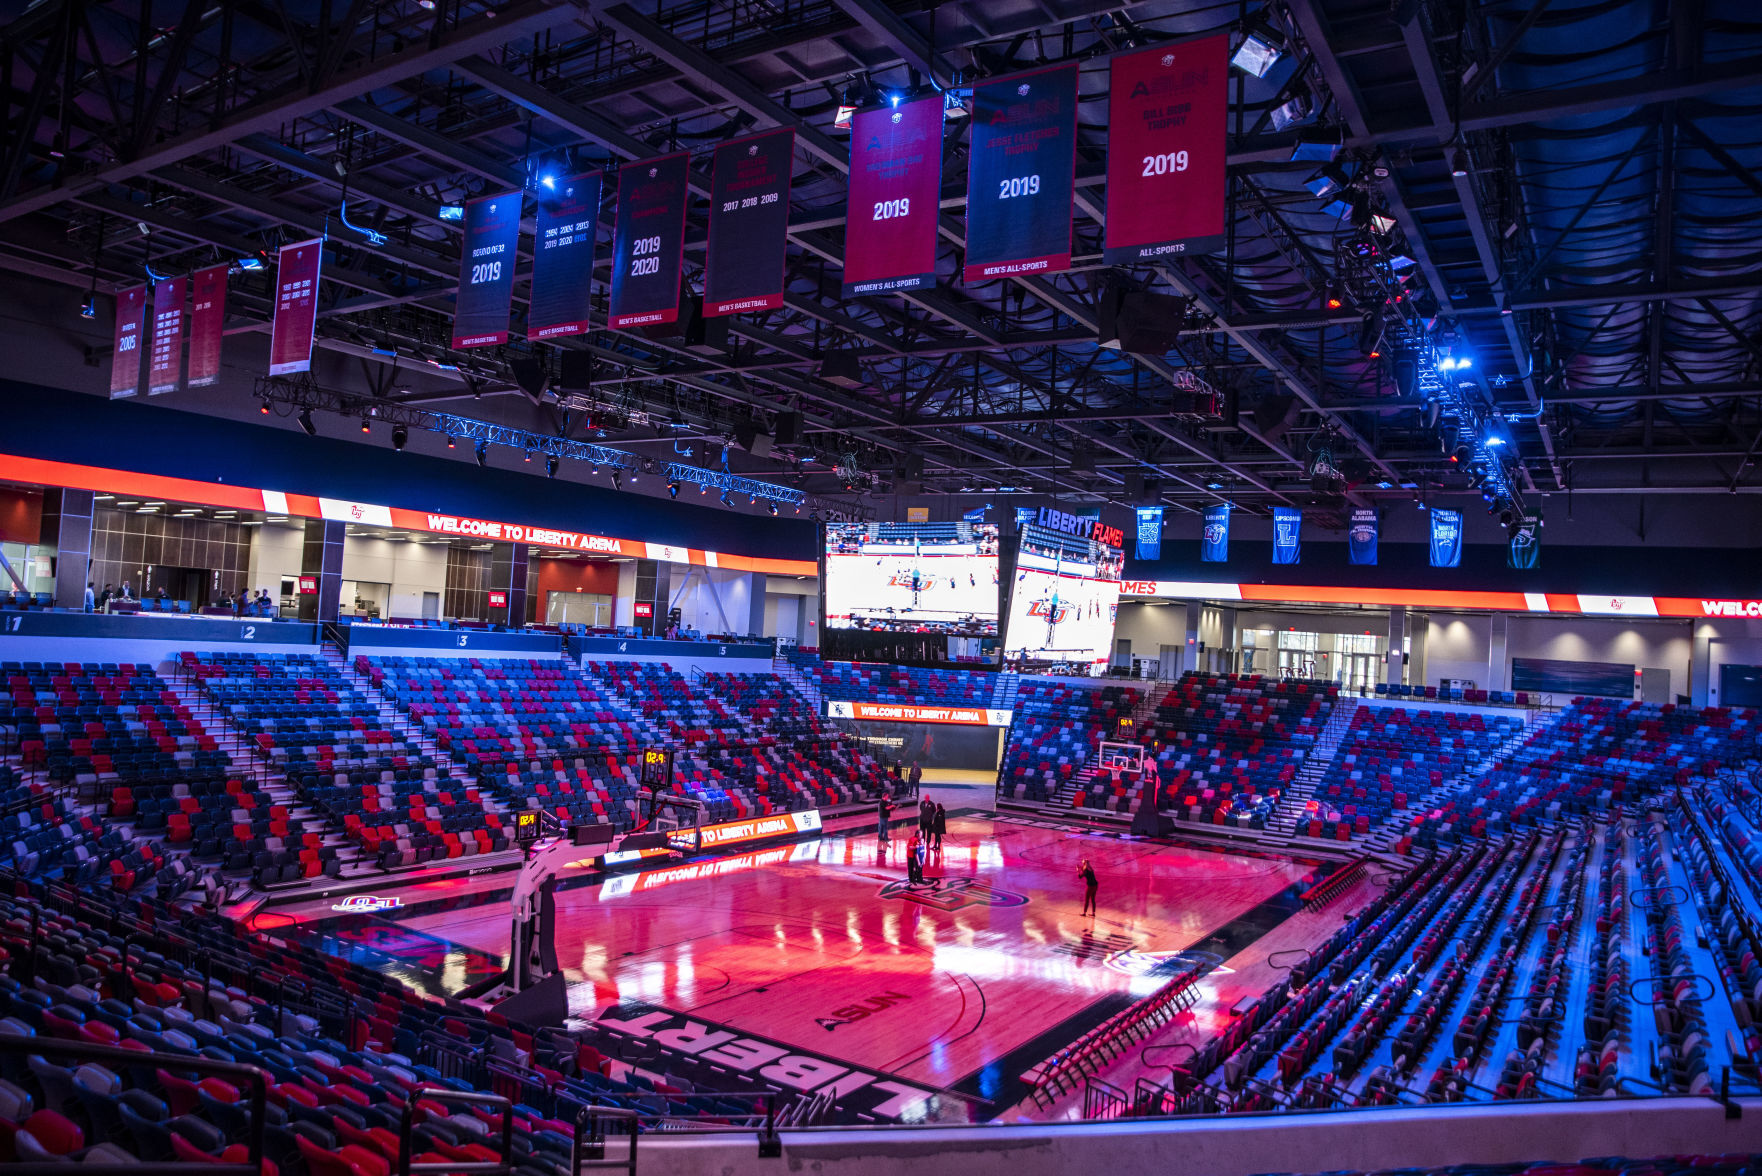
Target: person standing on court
(939,825)
(926,813)
(914,860)
(917,777)
(883,813)
(1090,884)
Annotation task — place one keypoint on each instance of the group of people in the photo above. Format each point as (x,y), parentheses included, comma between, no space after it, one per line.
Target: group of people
(926,839)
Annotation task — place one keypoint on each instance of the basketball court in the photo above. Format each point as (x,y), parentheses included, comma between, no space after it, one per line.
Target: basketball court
(959,985)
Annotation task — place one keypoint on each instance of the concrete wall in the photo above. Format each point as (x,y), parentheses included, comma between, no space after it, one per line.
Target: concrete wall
(411,568)
(714,600)
(1643,644)
(1719,643)
(276,551)
(1455,647)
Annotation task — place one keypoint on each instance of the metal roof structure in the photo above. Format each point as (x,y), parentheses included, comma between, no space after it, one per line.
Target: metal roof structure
(1539,270)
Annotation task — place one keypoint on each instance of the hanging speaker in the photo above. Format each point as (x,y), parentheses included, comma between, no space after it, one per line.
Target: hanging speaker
(841,368)
(577,371)
(789,428)
(705,336)
(529,376)
(1274,416)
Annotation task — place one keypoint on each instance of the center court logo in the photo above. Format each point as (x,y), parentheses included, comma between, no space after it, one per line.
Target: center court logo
(861,1010)
(953,894)
(364,904)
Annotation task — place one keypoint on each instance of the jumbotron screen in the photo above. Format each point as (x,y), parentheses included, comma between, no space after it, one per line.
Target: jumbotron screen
(1063,603)
(912,577)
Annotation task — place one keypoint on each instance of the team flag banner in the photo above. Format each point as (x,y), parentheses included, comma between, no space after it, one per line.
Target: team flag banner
(165,362)
(1021,174)
(1214,543)
(749,223)
(1446,538)
(648,241)
(125,355)
(895,192)
(1361,537)
(1287,535)
(1149,532)
(486,271)
(296,307)
(1167,113)
(207,324)
(1525,549)
(562,257)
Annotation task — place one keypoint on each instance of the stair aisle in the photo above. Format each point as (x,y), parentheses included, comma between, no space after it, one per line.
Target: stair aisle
(1294,803)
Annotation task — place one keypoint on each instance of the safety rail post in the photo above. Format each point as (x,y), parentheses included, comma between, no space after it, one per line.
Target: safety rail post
(770,1143)
(589,1150)
(406,1123)
(79,1051)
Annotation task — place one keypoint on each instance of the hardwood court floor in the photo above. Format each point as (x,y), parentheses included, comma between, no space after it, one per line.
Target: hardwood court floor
(963,984)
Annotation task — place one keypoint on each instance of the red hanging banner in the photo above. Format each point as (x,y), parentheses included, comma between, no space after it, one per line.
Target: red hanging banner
(125,355)
(296,307)
(165,363)
(895,189)
(1167,112)
(207,323)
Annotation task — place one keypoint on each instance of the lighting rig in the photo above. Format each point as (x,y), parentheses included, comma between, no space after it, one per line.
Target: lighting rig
(732,484)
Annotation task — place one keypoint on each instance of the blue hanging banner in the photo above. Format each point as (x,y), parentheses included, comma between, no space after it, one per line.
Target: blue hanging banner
(1024,514)
(976,515)
(1287,535)
(1525,551)
(1150,532)
(1214,547)
(1361,537)
(1446,538)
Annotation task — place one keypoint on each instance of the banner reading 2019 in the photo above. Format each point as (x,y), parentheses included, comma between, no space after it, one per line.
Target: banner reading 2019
(1021,172)
(1167,113)
(895,188)
(486,271)
(648,241)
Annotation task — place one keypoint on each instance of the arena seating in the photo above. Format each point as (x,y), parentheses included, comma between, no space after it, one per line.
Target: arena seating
(1228,746)
(1053,736)
(1392,756)
(770,703)
(86,723)
(876,682)
(339,756)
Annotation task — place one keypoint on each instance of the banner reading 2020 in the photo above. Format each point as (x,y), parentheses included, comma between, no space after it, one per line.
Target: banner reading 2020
(1021,172)
(895,192)
(648,241)
(486,271)
(562,257)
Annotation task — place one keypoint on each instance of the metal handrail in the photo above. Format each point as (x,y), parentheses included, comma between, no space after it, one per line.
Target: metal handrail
(406,1122)
(589,1138)
(85,1052)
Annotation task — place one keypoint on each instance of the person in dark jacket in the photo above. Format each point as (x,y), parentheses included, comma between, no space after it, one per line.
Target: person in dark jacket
(1090,885)
(883,814)
(938,827)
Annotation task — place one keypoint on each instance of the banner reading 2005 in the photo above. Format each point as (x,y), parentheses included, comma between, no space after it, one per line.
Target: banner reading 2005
(1167,109)
(895,193)
(1020,174)
(749,219)
(647,242)
(486,271)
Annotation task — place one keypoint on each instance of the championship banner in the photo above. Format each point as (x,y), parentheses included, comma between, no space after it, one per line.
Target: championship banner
(562,257)
(1287,535)
(165,362)
(648,241)
(1214,544)
(1446,538)
(486,270)
(1021,174)
(1361,537)
(895,192)
(749,223)
(1149,532)
(1525,550)
(1167,112)
(296,307)
(125,355)
(207,324)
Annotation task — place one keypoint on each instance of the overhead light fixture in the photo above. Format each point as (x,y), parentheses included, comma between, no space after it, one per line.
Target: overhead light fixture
(1289,113)
(482,454)
(673,489)
(1316,147)
(725,500)
(89,307)
(1332,298)
(365,425)
(1330,179)
(529,455)
(772,507)
(1459,163)
(451,444)
(551,464)
(264,408)
(1259,51)
(306,425)
(251,263)
(452,212)
(617,480)
(400,437)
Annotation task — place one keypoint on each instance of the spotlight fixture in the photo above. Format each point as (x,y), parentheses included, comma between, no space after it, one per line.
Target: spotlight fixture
(1330,179)
(726,501)
(400,437)
(1291,112)
(617,480)
(365,426)
(482,454)
(264,409)
(451,444)
(89,307)
(703,490)
(1259,51)
(1459,163)
(1331,296)
(673,489)
(551,464)
(452,212)
(306,425)
(529,455)
(772,507)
